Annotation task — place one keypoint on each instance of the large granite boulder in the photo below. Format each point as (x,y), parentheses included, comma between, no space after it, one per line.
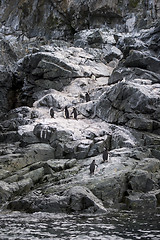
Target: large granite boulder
(73,142)
(142,202)
(140,57)
(128,43)
(95,38)
(55,99)
(8,190)
(131,104)
(114,185)
(111,53)
(82,199)
(130,74)
(140,181)
(22,157)
(142,60)
(38,203)
(77,199)
(151,165)
(54,68)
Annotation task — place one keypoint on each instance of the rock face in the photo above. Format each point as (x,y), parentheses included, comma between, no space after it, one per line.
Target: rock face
(44,161)
(77,199)
(62,18)
(54,68)
(5,89)
(131,104)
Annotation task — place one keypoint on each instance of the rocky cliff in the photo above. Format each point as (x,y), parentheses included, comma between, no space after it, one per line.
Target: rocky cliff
(52,54)
(62,18)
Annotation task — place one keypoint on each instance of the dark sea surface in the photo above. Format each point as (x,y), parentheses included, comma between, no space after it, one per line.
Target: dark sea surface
(112,226)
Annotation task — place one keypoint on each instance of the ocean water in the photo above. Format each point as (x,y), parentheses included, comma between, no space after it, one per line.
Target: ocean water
(112,226)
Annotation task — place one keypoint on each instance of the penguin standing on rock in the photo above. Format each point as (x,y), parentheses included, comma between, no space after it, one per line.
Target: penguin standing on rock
(92,167)
(66,112)
(105,155)
(87,97)
(75,113)
(51,112)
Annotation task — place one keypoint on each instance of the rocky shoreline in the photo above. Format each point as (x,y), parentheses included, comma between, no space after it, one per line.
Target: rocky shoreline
(44,161)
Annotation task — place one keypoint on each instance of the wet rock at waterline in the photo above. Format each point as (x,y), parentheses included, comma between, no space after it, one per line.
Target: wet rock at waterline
(75,200)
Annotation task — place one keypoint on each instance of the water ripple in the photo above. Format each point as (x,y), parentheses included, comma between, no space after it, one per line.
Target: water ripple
(112,226)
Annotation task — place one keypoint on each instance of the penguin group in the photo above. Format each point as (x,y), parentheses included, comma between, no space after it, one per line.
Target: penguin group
(74,112)
(66,111)
(105,157)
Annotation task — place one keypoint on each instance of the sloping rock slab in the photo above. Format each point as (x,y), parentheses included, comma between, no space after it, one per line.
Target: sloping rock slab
(77,199)
(81,199)
(131,104)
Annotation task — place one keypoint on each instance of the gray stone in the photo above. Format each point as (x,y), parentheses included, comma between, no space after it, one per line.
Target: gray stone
(152,139)
(115,187)
(35,175)
(11,179)
(5,191)
(142,202)
(29,138)
(140,181)
(45,133)
(54,68)
(70,163)
(122,137)
(37,203)
(95,38)
(50,70)
(82,199)
(129,74)
(10,137)
(87,109)
(21,112)
(4,173)
(25,185)
(141,60)
(122,104)
(141,124)
(111,53)
(149,164)
(56,165)
(77,199)
(39,152)
(156,153)
(127,44)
